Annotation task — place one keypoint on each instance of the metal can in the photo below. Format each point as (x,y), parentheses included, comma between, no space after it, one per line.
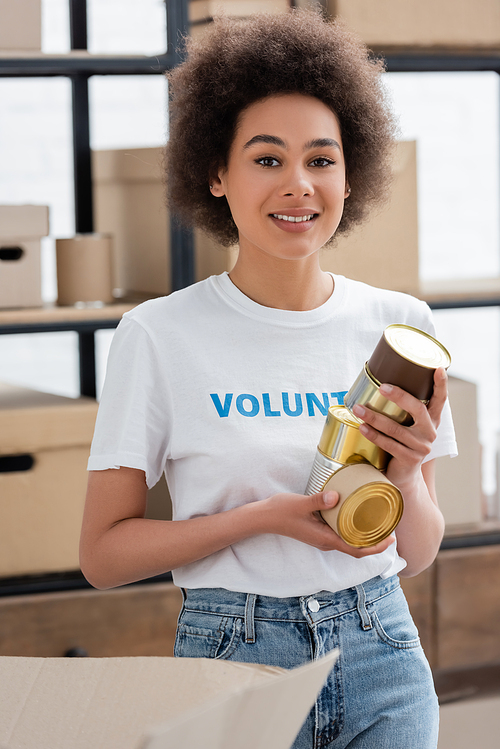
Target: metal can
(366,392)
(408,357)
(323,468)
(369,507)
(342,443)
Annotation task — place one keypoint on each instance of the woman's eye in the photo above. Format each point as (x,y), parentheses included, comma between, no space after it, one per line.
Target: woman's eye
(322,161)
(267,161)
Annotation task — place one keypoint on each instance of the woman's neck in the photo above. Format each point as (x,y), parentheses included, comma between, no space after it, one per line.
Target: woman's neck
(298,285)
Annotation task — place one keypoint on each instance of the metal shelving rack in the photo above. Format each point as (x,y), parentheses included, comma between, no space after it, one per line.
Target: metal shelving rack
(79,66)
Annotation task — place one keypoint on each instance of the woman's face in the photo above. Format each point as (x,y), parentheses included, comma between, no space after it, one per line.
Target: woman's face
(285,180)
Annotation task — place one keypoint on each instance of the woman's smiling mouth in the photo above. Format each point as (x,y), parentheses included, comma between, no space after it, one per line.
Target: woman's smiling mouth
(294,224)
(294,219)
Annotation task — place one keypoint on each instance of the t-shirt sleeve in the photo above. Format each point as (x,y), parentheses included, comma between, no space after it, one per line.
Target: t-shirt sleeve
(133,422)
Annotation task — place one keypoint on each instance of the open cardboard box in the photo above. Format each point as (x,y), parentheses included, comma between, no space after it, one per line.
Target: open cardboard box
(154,703)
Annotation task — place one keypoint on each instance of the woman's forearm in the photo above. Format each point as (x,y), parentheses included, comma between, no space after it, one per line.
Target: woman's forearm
(138,548)
(118,545)
(421,528)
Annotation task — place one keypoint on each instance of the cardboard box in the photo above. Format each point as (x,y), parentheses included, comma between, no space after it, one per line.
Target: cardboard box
(129,203)
(422,23)
(203,11)
(383,251)
(458,480)
(84,270)
(154,703)
(44,445)
(20,25)
(21,228)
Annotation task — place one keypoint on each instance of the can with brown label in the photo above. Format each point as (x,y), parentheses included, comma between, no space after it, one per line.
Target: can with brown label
(406,357)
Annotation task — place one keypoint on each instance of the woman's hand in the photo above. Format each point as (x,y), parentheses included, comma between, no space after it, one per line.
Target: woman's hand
(298,516)
(421,528)
(408,445)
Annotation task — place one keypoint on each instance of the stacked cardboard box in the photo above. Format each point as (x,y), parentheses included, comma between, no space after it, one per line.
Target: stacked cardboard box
(384,251)
(21,229)
(422,23)
(130,204)
(202,12)
(20,25)
(458,480)
(44,445)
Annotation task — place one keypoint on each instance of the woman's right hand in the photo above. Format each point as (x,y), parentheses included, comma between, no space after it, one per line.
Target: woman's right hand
(298,516)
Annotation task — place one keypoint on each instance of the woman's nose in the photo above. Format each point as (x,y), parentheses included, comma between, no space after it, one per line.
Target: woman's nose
(296,183)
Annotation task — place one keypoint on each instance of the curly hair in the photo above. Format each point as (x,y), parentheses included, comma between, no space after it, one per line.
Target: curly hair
(237,63)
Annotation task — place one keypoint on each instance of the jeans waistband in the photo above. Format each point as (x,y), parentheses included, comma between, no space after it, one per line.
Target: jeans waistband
(314,608)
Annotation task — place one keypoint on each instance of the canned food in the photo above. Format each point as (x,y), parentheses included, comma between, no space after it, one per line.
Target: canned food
(321,471)
(342,441)
(366,392)
(369,507)
(408,357)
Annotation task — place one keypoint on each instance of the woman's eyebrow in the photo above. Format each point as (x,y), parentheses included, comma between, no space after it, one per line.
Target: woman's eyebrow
(322,143)
(272,139)
(275,141)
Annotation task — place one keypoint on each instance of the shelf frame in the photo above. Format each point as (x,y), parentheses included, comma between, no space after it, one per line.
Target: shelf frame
(440,61)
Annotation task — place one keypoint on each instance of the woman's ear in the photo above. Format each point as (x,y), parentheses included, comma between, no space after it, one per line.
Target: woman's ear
(216,187)
(347,190)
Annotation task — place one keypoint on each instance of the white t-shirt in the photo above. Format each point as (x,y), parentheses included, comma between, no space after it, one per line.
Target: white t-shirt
(229,398)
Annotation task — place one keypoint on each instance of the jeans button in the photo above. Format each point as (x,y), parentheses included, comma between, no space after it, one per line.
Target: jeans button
(313,605)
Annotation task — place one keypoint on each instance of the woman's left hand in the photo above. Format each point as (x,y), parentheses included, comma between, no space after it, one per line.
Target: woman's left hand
(408,445)
(421,528)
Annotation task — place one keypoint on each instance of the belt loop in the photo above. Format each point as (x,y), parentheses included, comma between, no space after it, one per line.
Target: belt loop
(366,622)
(249,617)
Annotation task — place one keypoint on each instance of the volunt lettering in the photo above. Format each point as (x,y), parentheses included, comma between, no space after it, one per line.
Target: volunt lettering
(286,404)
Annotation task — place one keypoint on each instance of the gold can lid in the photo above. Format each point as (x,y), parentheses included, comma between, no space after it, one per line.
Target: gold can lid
(370,514)
(344,416)
(416,346)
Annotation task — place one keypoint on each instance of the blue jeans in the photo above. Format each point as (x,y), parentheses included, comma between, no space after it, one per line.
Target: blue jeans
(380,693)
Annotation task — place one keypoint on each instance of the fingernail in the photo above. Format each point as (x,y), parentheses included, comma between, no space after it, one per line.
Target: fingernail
(386,389)
(329,498)
(359,410)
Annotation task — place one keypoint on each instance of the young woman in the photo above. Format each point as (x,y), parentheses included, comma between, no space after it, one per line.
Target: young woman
(280,140)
